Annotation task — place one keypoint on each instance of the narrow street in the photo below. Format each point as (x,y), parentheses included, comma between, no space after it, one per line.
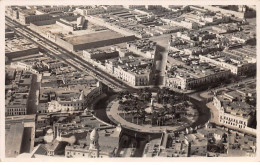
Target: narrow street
(33,96)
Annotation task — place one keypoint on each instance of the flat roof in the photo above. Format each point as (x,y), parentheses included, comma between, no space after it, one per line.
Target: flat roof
(14,140)
(93,37)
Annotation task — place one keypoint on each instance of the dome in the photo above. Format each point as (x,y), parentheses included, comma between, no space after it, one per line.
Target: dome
(71,140)
(49,131)
(94,135)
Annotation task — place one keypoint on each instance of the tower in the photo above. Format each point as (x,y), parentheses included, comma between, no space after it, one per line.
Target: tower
(81,97)
(151,106)
(49,137)
(94,146)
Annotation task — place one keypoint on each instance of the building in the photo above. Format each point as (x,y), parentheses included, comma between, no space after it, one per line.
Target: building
(81,21)
(67,101)
(17,105)
(69,97)
(233,112)
(112,8)
(135,71)
(52,9)
(174,145)
(152,148)
(144,47)
(197,144)
(234,60)
(194,75)
(29,16)
(99,54)
(19,131)
(98,143)
(18,47)
(24,66)
(182,23)
(52,64)
(95,10)
(16,99)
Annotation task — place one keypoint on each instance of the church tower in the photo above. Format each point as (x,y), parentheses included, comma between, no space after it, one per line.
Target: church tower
(94,146)
(81,97)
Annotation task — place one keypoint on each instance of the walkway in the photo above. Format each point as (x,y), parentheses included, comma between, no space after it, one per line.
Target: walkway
(113,115)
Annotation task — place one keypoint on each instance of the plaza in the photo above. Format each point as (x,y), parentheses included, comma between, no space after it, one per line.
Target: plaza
(163,112)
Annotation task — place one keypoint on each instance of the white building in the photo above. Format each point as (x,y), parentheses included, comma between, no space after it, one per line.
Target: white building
(236,114)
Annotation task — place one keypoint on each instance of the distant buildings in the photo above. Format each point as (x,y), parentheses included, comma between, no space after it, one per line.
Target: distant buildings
(235,60)
(27,17)
(181,22)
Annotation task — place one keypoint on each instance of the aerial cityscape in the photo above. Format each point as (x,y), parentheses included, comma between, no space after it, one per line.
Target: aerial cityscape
(111,81)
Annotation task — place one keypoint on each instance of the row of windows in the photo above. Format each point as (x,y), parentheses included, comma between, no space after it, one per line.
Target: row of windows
(75,104)
(16,113)
(233,124)
(68,109)
(16,109)
(74,153)
(234,120)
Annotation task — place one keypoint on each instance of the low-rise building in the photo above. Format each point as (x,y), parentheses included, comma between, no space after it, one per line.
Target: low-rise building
(17,105)
(197,144)
(132,70)
(174,145)
(193,75)
(145,48)
(237,63)
(52,64)
(99,54)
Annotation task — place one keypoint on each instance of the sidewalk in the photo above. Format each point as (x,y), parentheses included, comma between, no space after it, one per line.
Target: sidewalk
(113,115)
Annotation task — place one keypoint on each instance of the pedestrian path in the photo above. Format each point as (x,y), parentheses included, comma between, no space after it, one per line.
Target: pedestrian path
(113,115)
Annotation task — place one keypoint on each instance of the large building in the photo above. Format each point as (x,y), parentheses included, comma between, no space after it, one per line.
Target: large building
(233,110)
(18,47)
(192,76)
(19,135)
(73,99)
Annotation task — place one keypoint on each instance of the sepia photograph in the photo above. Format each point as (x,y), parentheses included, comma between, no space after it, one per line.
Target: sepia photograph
(130,81)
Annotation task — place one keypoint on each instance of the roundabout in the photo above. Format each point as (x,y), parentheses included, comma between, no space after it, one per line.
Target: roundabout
(152,112)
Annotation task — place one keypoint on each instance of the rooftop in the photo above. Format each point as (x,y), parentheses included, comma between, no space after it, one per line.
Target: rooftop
(13,142)
(18,44)
(93,37)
